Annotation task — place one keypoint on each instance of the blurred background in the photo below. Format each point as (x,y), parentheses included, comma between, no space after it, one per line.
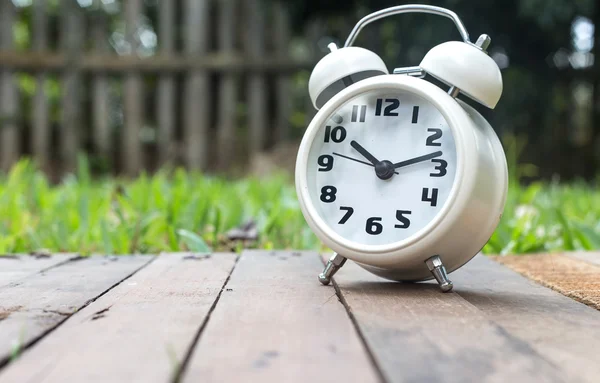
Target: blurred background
(221,86)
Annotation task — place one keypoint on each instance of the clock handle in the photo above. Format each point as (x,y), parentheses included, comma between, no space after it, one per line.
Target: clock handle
(413,8)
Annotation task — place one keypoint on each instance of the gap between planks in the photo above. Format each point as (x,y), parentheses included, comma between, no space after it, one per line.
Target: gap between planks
(34,306)
(140,330)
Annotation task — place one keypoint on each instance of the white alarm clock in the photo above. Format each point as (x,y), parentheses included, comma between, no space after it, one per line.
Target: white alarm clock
(396,173)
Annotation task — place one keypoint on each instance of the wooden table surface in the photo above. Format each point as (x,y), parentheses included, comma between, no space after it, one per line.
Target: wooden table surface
(264,317)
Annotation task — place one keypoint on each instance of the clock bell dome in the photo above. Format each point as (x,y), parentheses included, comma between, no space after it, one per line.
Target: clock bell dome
(340,69)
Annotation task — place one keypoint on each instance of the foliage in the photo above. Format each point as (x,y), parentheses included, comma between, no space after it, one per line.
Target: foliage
(176,210)
(171,210)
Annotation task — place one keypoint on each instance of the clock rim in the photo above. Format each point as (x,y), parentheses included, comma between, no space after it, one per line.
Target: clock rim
(437,228)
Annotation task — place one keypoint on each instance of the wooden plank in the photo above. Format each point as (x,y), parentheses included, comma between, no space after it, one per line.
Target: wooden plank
(102,137)
(71,37)
(257,84)
(274,322)
(139,331)
(196,87)
(9,128)
(281,20)
(228,94)
(561,330)
(589,257)
(176,63)
(166,84)
(41,123)
(419,334)
(33,306)
(13,268)
(133,107)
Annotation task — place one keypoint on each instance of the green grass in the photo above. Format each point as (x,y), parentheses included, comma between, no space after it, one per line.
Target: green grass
(177,210)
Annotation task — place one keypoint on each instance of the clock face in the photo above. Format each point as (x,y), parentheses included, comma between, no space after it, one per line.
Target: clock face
(381,167)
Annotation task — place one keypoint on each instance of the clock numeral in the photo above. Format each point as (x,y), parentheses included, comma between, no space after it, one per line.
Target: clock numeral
(437,134)
(434,196)
(441,168)
(326,162)
(415,116)
(404,221)
(390,110)
(349,211)
(337,134)
(374,227)
(328,194)
(355,115)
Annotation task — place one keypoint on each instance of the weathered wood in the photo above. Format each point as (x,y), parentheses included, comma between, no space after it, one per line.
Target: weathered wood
(166,84)
(418,334)
(133,105)
(561,330)
(33,306)
(139,331)
(100,87)
(13,268)
(254,43)
(593,258)
(176,63)
(274,322)
(71,37)
(9,127)
(196,87)
(41,124)
(228,94)
(283,90)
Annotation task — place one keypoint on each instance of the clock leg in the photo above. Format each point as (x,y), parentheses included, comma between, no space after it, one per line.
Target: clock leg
(333,265)
(435,265)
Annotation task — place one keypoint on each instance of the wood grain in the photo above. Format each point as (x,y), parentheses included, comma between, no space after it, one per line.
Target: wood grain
(274,322)
(35,305)
(563,331)
(13,268)
(138,332)
(419,334)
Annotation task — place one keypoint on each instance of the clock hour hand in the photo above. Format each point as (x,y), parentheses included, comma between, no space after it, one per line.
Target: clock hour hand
(364,152)
(415,160)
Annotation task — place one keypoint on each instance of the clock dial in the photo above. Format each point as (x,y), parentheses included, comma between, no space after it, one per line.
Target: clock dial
(381,167)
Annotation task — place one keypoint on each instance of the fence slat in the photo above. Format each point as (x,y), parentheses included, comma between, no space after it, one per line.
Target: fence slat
(283,86)
(257,87)
(41,125)
(9,145)
(131,150)
(196,93)
(228,95)
(100,84)
(71,33)
(166,83)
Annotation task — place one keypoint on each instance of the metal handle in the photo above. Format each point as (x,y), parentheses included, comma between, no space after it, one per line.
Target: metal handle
(418,8)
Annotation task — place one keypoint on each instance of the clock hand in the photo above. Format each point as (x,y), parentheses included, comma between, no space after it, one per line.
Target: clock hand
(415,160)
(364,152)
(354,159)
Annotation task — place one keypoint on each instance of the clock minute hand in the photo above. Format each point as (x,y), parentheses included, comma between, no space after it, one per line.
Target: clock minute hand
(415,160)
(364,152)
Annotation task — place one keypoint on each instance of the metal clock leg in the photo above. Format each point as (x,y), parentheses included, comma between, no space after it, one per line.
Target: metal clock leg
(435,265)
(333,265)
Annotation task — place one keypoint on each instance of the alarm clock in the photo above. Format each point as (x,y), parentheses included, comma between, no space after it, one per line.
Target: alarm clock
(396,173)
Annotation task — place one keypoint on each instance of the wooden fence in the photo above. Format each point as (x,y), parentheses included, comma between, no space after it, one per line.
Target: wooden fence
(216,90)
